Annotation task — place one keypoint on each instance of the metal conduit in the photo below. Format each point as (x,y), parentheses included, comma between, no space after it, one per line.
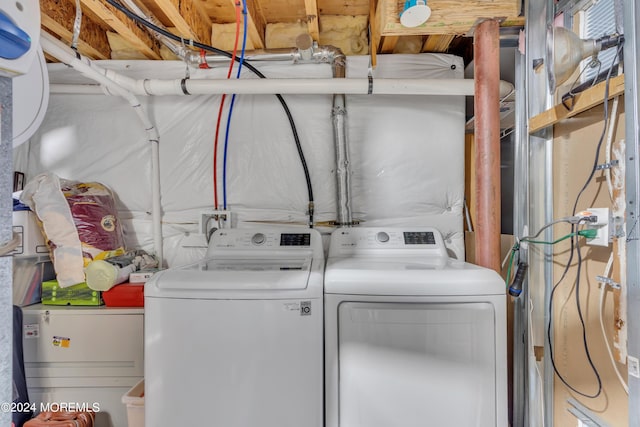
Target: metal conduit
(343,173)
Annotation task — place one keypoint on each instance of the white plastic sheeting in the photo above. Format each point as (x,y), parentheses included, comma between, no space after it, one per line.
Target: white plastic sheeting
(407,152)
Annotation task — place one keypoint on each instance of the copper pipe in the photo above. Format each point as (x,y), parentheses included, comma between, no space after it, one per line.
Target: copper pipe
(486,54)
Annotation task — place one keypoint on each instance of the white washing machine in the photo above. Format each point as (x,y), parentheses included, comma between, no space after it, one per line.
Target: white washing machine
(412,337)
(236,339)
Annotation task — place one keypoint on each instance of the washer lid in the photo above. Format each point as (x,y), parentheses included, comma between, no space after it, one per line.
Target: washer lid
(411,276)
(232,278)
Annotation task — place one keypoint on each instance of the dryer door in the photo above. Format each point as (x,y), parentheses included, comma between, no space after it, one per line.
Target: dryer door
(417,364)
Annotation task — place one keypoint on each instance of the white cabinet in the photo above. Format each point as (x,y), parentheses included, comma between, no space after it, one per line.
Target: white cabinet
(83,357)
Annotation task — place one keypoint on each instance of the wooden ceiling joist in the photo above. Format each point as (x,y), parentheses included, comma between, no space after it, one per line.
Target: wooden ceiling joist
(373,39)
(121,24)
(375,20)
(447,30)
(447,16)
(187,18)
(388,44)
(58,17)
(311,7)
(255,24)
(438,43)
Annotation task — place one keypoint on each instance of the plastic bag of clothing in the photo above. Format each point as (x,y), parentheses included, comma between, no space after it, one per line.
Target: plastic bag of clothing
(102,275)
(79,220)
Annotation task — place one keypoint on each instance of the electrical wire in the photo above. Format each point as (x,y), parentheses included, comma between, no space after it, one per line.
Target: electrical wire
(222,99)
(575,219)
(550,342)
(568,219)
(543,242)
(511,257)
(603,133)
(516,247)
(607,151)
(253,69)
(233,100)
(575,246)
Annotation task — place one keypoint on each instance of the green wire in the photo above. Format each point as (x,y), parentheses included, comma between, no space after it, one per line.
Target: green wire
(543,242)
(588,233)
(508,277)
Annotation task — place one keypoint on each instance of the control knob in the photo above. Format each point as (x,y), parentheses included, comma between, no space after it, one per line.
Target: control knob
(382,237)
(258,239)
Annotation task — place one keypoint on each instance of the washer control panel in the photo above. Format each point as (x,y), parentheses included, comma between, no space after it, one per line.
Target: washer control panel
(265,241)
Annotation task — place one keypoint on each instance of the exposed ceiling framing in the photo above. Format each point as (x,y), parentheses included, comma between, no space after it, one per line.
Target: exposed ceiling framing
(374,24)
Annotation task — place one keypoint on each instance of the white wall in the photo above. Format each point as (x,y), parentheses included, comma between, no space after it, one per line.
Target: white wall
(407,152)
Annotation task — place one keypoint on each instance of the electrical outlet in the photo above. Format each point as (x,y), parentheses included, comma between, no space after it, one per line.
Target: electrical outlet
(602,225)
(214,219)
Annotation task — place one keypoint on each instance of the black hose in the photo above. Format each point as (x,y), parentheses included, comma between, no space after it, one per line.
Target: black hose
(253,69)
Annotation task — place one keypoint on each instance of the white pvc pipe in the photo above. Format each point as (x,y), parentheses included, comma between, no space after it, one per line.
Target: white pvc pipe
(353,86)
(79,89)
(60,51)
(158,87)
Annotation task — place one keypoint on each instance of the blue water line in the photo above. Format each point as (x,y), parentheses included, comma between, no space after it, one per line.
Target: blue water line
(233,99)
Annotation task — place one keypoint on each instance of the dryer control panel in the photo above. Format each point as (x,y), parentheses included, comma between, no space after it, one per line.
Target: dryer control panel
(389,241)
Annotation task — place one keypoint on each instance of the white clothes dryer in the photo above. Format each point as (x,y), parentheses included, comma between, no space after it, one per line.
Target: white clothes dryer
(235,340)
(412,337)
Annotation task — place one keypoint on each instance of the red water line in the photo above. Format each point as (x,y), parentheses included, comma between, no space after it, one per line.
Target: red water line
(222,99)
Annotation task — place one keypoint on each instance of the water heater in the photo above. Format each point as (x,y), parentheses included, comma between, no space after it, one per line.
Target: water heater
(19,36)
(21,59)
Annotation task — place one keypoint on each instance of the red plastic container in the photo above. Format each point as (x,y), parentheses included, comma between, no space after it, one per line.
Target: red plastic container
(125,295)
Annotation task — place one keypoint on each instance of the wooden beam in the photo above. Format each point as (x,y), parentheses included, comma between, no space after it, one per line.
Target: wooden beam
(377,22)
(255,24)
(438,43)
(447,16)
(188,19)
(583,101)
(387,44)
(58,17)
(122,25)
(619,273)
(374,33)
(311,7)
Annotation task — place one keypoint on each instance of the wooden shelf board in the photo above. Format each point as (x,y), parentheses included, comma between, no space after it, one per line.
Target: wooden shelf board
(583,101)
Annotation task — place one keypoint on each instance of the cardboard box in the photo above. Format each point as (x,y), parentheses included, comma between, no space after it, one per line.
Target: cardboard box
(26,225)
